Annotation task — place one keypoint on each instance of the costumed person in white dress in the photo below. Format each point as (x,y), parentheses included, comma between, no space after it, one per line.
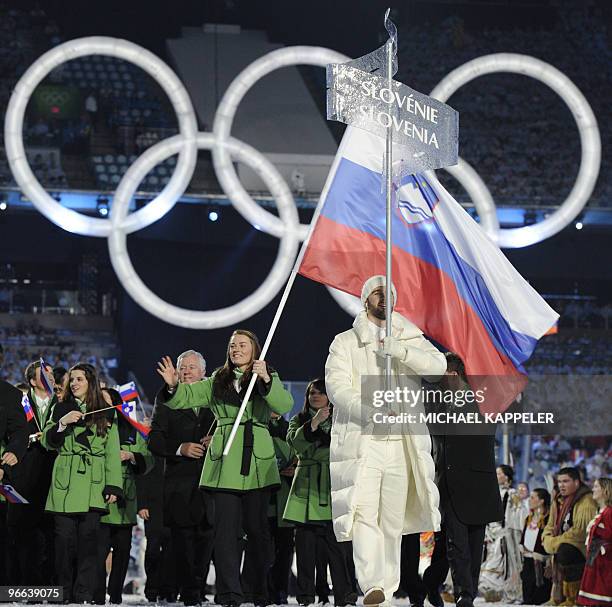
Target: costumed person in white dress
(500,574)
(517,511)
(382,486)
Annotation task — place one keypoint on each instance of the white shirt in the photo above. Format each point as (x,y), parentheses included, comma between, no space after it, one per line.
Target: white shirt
(41,403)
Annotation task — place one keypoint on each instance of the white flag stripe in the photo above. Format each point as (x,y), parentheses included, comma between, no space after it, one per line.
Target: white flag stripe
(519,303)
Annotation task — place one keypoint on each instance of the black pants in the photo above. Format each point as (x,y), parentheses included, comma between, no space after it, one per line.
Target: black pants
(31,542)
(235,511)
(4,543)
(278,579)
(159,562)
(76,554)
(193,547)
(117,538)
(321,585)
(571,562)
(410,581)
(307,539)
(464,545)
(435,574)
(532,593)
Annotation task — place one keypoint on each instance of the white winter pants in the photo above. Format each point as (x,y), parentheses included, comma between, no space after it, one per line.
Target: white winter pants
(379,516)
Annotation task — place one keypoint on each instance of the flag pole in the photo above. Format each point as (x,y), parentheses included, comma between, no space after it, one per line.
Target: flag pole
(389,192)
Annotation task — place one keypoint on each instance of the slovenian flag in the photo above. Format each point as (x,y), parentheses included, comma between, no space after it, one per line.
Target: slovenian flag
(11,495)
(45,380)
(453,282)
(128,392)
(27,407)
(140,428)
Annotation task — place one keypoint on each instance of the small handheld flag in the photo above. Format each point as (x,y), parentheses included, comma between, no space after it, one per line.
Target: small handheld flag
(140,428)
(128,392)
(45,380)
(12,496)
(27,407)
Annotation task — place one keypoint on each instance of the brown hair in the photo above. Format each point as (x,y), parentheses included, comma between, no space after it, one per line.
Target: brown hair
(93,399)
(606,488)
(224,376)
(454,363)
(30,371)
(318,384)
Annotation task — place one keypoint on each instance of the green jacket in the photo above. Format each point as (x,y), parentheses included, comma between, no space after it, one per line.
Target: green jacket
(87,466)
(285,457)
(310,496)
(250,464)
(124,510)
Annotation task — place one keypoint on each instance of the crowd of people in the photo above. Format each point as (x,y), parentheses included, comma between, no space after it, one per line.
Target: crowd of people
(498,137)
(78,469)
(590,456)
(18,346)
(130,114)
(505,118)
(548,546)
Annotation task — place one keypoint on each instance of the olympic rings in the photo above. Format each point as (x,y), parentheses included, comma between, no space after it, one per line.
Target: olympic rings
(13,134)
(186,144)
(224,148)
(193,319)
(589,139)
(226,173)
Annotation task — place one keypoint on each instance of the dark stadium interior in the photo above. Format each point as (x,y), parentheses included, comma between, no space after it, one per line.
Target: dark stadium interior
(91,118)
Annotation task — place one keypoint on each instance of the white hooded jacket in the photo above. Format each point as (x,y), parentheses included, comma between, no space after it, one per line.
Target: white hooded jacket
(352,354)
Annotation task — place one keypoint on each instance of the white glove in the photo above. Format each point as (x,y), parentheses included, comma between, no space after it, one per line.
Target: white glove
(392,347)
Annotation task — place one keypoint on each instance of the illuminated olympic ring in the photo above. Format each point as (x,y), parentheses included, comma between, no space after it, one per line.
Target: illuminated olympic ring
(224,148)
(186,144)
(589,140)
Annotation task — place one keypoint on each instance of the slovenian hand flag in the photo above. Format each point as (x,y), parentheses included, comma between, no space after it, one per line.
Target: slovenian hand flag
(453,282)
(11,495)
(129,395)
(27,407)
(128,392)
(140,427)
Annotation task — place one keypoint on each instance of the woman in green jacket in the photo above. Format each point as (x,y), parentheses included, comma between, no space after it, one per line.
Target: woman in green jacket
(86,479)
(241,481)
(116,528)
(309,503)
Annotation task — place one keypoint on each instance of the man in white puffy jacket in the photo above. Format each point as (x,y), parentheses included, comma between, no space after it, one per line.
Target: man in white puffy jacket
(382,485)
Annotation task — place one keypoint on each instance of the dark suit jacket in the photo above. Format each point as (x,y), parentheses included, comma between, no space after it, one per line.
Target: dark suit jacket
(32,475)
(465,470)
(150,493)
(184,503)
(13,424)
